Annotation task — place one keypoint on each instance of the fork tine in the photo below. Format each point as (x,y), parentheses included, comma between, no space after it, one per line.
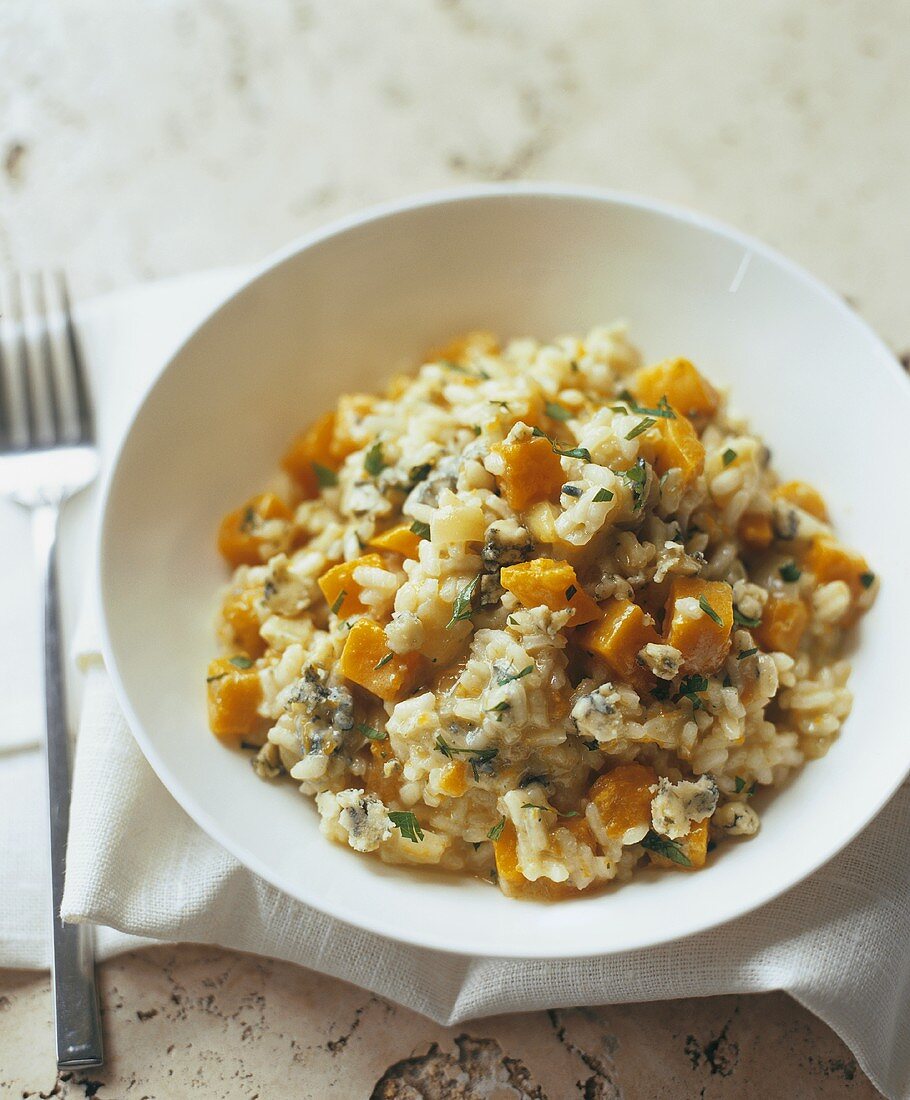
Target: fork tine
(74,363)
(20,370)
(6,397)
(42,358)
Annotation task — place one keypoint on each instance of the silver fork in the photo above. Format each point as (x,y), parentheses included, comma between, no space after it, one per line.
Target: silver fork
(47,455)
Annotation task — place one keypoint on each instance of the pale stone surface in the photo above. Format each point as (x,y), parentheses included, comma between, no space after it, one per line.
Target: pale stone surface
(139,141)
(191,1021)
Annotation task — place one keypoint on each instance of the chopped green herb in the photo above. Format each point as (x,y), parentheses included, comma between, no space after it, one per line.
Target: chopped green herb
(249,518)
(641,426)
(515,675)
(661,691)
(479,756)
(241,662)
(574,452)
(422,529)
(406,823)
(570,591)
(324,476)
(739,784)
(727,682)
(336,606)
(663,409)
(556,411)
(729,456)
(619,409)
(462,608)
(371,733)
(452,365)
(534,806)
(744,653)
(212,679)
(669,849)
(573,366)
(637,477)
(570,813)
(743,620)
(867,579)
(709,610)
(476,429)
(496,832)
(689,689)
(790,572)
(499,708)
(419,473)
(374,463)
(383,661)
(602,495)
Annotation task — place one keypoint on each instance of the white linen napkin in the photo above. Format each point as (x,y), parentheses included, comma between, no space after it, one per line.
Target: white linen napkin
(138,864)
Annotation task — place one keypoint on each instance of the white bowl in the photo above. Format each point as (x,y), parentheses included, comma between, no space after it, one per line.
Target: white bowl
(342,308)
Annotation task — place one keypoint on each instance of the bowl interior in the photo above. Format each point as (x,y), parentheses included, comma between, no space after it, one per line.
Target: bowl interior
(341,312)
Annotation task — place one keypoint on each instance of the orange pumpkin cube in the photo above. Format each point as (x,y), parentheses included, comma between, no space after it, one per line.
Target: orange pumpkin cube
(242,620)
(350,434)
(513,883)
(803,496)
(387,787)
(623,798)
(238,541)
(755,531)
(234,695)
(454,778)
(782,624)
(618,637)
(310,450)
(548,583)
(532,472)
(398,540)
(341,591)
(694,846)
(830,561)
(367,660)
(702,638)
(676,446)
(682,385)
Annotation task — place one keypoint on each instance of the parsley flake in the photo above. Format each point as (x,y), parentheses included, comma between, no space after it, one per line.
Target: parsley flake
(867,579)
(374,463)
(500,707)
(462,608)
(570,591)
(556,411)
(241,662)
(496,832)
(689,689)
(744,620)
(371,733)
(534,806)
(602,495)
(729,456)
(325,477)
(336,606)
(515,675)
(790,572)
(383,661)
(709,611)
(406,823)
(744,653)
(422,529)
(641,426)
(669,849)
(637,477)
(663,410)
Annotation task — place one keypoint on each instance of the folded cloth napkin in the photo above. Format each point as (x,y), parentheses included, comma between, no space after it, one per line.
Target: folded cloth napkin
(139,867)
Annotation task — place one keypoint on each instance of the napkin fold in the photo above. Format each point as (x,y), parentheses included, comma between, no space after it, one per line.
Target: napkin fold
(140,869)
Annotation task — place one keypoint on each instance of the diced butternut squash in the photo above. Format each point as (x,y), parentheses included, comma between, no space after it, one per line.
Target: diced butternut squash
(676,446)
(234,696)
(694,846)
(532,472)
(242,620)
(387,786)
(367,660)
(513,883)
(618,637)
(623,798)
(484,343)
(830,561)
(803,496)
(341,591)
(240,539)
(398,540)
(782,624)
(698,622)
(682,385)
(454,778)
(755,530)
(309,451)
(548,583)
(350,434)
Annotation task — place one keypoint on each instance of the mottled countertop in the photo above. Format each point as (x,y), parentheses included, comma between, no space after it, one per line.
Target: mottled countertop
(140,141)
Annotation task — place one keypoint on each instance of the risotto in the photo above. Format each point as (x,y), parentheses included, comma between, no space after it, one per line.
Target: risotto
(538,614)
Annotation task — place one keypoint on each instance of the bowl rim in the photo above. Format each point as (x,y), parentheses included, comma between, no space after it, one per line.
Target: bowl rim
(410,933)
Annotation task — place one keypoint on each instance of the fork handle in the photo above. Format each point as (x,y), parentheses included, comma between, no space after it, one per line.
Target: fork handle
(77,1021)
